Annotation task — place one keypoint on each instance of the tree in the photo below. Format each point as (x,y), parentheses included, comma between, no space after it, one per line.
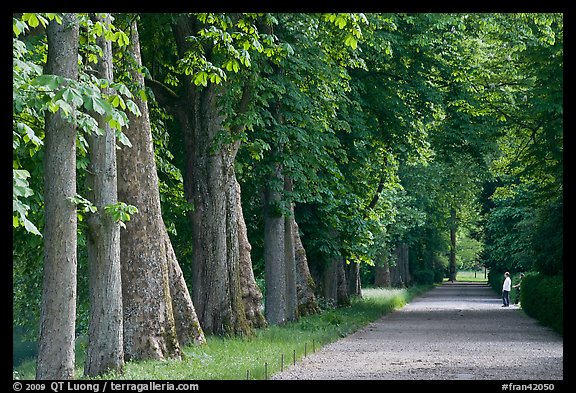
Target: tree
(525,93)
(211,142)
(287,148)
(105,334)
(159,315)
(57,327)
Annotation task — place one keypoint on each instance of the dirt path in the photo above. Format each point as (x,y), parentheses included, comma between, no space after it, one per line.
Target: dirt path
(455,331)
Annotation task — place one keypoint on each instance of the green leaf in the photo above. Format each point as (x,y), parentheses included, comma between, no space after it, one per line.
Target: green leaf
(98,28)
(351,41)
(100,105)
(31,19)
(18,27)
(214,78)
(51,82)
(30,227)
(123,139)
(133,108)
(340,21)
(120,38)
(29,134)
(201,78)
(118,101)
(72,95)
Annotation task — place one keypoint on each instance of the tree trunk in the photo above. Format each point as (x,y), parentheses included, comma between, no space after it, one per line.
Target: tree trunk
(353,277)
(158,310)
(104,352)
(210,184)
(382,274)
(251,294)
(330,282)
(188,327)
(452,262)
(290,258)
(305,286)
(274,253)
(342,294)
(400,273)
(58,316)
(405,250)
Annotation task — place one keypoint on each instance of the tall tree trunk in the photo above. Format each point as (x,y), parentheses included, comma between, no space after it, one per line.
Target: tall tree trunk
(330,282)
(353,277)
(305,286)
(210,184)
(342,294)
(405,250)
(251,294)
(397,276)
(274,252)
(158,310)
(452,262)
(290,258)
(105,337)
(58,316)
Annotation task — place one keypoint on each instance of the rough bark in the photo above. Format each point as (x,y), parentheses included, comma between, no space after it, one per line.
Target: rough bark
(305,286)
(282,275)
(210,185)
(157,307)
(251,294)
(188,327)
(58,316)
(105,337)
(274,254)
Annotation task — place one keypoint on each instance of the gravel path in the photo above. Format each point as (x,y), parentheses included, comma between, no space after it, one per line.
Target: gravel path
(455,331)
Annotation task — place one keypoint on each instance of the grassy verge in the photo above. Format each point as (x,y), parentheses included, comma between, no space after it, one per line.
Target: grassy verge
(470,276)
(271,349)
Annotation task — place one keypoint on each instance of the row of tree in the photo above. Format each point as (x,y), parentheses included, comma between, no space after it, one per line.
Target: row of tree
(273,155)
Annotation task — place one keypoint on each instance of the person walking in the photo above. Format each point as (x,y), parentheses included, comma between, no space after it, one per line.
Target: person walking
(506,290)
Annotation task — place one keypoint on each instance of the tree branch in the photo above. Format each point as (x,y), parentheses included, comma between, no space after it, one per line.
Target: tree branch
(375,198)
(243,107)
(165,96)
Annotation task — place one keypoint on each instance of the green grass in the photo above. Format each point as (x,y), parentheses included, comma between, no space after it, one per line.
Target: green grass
(468,276)
(261,356)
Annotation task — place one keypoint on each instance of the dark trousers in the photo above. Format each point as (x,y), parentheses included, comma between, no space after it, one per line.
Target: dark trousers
(506,297)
